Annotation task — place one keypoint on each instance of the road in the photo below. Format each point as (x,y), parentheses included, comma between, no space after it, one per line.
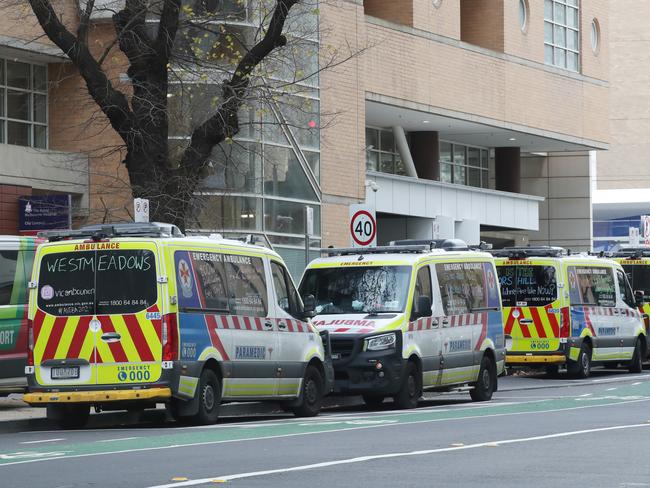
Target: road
(536,432)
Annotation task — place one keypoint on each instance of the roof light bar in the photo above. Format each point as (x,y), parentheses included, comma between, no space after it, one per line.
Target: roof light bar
(104,231)
(529,251)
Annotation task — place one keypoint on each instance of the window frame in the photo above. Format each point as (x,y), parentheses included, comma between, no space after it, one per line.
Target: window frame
(481,165)
(32,92)
(567,29)
(376,153)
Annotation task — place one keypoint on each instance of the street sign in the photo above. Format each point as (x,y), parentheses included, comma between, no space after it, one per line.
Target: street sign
(309,220)
(141,207)
(645,227)
(634,236)
(363,226)
(44,212)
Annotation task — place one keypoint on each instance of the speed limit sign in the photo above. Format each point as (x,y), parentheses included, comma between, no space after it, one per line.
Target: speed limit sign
(363,226)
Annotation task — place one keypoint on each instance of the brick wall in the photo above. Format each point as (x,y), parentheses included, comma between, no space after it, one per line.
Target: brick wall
(77,124)
(398,12)
(443,20)
(481,23)
(9,207)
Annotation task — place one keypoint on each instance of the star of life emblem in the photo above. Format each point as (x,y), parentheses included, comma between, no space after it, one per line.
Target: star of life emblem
(185,278)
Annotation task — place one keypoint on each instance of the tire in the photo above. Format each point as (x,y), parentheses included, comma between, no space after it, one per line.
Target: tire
(636,365)
(311,394)
(581,368)
(209,398)
(373,401)
(409,393)
(486,383)
(69,417)
(552,370)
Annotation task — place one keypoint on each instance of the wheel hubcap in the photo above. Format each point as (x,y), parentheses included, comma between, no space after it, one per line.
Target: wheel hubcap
(311,392)
(585,363)
(208,397)
(486,379)
(411,386)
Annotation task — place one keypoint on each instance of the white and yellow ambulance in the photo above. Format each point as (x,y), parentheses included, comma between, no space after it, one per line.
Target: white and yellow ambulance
(574,309)
(636,263)
(408,318)
(124,316)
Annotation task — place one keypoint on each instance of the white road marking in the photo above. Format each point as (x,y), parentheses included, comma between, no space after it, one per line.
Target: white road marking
(637,383)
(585,395)
(363,459)
(300,434)
(42,440)
(610,389)
(118,439)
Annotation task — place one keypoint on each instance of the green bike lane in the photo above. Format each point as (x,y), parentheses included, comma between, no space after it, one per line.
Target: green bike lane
(64,446)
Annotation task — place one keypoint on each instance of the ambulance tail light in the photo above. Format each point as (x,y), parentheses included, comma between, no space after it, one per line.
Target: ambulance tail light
(30,343)
(565,323)
(170,337)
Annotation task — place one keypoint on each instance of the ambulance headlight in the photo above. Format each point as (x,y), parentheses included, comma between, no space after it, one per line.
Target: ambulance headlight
(381,342)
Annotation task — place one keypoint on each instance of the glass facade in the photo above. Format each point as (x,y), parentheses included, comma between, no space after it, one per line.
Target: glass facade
(609,234)
(23,104)
(381,152)
(262,179)
(463,165)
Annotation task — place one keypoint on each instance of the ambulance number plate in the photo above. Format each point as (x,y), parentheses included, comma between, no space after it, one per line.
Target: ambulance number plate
(65,373)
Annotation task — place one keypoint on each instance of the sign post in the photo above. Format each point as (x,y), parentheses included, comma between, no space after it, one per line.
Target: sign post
(141,208)
(645,228)
(363,226)
(309,230)
(634,236)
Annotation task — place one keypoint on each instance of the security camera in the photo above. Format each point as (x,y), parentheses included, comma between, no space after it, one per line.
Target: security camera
(372,185)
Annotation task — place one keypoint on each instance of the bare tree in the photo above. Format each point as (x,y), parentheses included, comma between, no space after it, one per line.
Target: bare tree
(161,39)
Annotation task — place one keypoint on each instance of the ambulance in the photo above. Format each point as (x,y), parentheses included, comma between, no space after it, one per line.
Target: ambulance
(568,309)
(16,261)
(409,317)
(127,315)
(636,263)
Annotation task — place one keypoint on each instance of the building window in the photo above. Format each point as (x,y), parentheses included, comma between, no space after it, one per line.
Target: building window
(595,36)
(523,15)
(23,104)
(463,165)
(562,33)
(381,152)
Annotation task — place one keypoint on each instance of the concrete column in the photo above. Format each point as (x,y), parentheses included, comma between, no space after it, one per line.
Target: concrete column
(424,149)
(404,151)
(565,217)
(507,162)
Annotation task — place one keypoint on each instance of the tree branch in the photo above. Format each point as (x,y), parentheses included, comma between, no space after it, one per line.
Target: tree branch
(112,102)
(167,29)
(224,123)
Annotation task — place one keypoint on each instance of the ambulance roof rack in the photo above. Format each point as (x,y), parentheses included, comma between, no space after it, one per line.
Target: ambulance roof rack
(630,252)
(402,247)
(530,251)
(104,231)
(446,244)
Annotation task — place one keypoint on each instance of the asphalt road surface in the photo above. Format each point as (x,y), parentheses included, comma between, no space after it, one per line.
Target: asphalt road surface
(536,432)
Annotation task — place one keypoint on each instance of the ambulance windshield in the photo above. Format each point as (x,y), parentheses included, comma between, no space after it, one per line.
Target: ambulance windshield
(527,285)
(97,282)
(363,289)
(639,276)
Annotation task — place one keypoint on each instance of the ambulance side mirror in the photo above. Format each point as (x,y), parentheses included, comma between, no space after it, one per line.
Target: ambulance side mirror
(308,306)
(423,308)
(639,297)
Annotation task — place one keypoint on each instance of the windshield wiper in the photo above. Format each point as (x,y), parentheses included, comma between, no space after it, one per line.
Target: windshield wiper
(371,313)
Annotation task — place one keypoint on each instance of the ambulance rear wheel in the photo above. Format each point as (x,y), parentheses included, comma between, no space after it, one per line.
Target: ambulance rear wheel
(409,394)
(486,383)
(373,401)
(636,366)
(312,394)
(209,398)
(582,367)
(69,416)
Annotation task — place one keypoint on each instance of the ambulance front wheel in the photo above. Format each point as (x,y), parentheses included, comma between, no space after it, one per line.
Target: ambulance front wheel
(411,390)
(486,383)
(69,416)
(209,398)
(311,394)
(636,365)
(582,367)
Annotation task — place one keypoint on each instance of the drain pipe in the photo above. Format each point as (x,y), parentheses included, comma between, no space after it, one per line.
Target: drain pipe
(404,151)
